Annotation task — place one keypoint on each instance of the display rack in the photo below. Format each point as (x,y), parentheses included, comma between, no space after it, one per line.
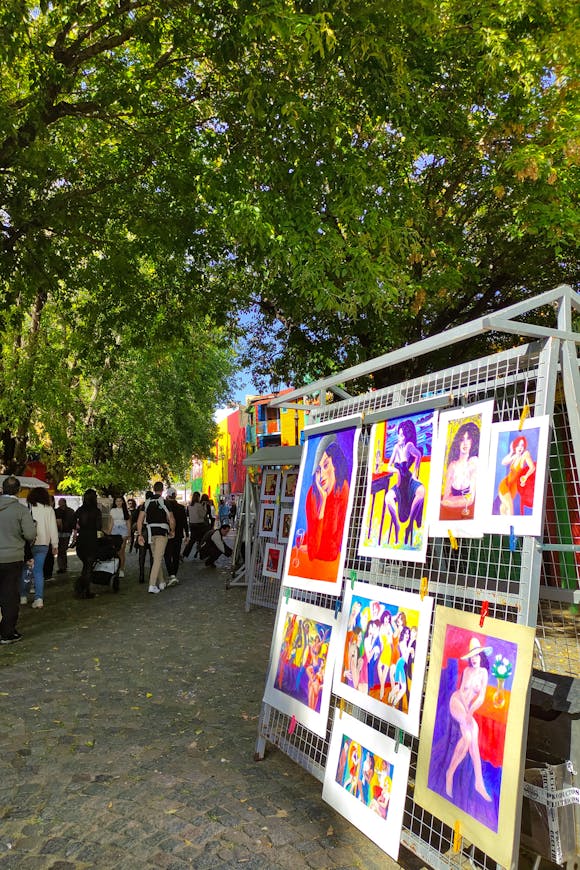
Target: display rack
(534,584)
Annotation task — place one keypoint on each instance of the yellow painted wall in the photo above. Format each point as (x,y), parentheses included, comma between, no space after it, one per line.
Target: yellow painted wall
(288,418)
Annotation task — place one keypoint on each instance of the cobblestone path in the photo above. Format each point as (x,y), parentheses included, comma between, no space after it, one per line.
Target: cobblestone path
(128,725)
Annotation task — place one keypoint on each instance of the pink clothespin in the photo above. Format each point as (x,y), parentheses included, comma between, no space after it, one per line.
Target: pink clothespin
(292,725)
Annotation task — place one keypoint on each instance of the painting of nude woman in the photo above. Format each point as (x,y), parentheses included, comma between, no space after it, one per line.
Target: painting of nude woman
(470,743)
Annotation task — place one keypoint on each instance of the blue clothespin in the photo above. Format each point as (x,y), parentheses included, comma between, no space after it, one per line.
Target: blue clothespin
(337,607)
(513,540)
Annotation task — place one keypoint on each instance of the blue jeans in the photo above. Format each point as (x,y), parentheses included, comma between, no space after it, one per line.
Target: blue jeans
(39,552)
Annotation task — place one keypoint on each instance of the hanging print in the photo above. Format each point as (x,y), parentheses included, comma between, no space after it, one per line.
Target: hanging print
(324,495)
(273,558)
(289,482)
(383,639)
(514,493)
(285,523)
(366,780)
(270,485)
(268,523)
(460,466)
(395,514)
(471,745)
(300,677)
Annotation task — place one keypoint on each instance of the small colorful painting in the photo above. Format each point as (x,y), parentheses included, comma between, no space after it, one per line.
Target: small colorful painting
(285,523)
(289,482)
(268,524)
(366,780)
(270,485)
(324,496)
(515,486)
(470,761)
(383,639)
(460,466)
(273,561)
(395,515)
(299,680)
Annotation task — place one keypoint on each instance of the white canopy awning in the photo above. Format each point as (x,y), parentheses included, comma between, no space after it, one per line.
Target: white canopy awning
(275,456)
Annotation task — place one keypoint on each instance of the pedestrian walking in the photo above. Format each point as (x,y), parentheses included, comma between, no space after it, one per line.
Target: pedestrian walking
(160,526)
(173,549)
(88,522)
(65,521)
(16,528)
(46,539)
(223,512)
(198,524)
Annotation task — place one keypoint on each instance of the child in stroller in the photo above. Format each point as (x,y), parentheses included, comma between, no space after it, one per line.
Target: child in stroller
(106,565)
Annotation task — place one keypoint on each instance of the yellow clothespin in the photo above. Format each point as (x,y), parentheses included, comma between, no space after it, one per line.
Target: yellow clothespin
(341,708)
(424,587)
(457,837)
(452,539)
(524,414)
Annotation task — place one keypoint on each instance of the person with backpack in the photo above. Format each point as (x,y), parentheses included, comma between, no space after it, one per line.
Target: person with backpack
(160,527)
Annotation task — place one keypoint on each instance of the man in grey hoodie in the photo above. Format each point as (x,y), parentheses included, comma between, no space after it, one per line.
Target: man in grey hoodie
(16,527)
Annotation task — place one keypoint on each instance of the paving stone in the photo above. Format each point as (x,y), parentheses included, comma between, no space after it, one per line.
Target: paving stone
(133,721)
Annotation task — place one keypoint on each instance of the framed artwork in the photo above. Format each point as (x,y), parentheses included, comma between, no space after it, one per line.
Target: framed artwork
(514,492)
(383,639)
(459,469)
(322,507)
(471,745)
(289,482)
(299,681)
(268,523)
(270,485)
(395,514)
(285,523)
(273,561)
(365,780)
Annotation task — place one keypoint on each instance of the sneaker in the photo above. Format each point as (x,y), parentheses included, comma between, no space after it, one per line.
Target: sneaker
(24,599)
(121,573)
(154,590)
(38,602)
(173,581)
(162,585)
(13,638)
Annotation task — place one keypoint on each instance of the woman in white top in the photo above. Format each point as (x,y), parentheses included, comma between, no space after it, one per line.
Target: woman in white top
(46,536)
(121,526)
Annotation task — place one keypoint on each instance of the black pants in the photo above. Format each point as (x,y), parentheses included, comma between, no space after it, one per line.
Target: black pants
(10,574)
(196,533)
(61,558)
(87,553)
(48,566)
(171,556)
(143,550)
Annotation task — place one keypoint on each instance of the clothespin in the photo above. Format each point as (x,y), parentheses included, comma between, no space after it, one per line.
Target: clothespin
(424,587)
(513,541)
(341,708)
(292,725)
(287,592)
(337,607)
(452,539)
(457,837)
(399,739)
(483,612)
(352,577)
(523,415)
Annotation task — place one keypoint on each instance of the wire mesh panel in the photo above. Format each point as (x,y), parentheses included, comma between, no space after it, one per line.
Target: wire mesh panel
(533,582)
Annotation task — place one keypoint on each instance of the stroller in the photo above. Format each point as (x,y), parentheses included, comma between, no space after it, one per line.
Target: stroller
(105,571)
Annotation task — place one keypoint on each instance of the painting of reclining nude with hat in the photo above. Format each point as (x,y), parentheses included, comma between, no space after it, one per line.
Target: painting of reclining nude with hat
(365,780)
(470,760)
(395,513)
(299,680)
(383,638)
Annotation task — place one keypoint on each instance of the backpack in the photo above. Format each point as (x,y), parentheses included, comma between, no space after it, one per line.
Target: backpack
(156,513)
